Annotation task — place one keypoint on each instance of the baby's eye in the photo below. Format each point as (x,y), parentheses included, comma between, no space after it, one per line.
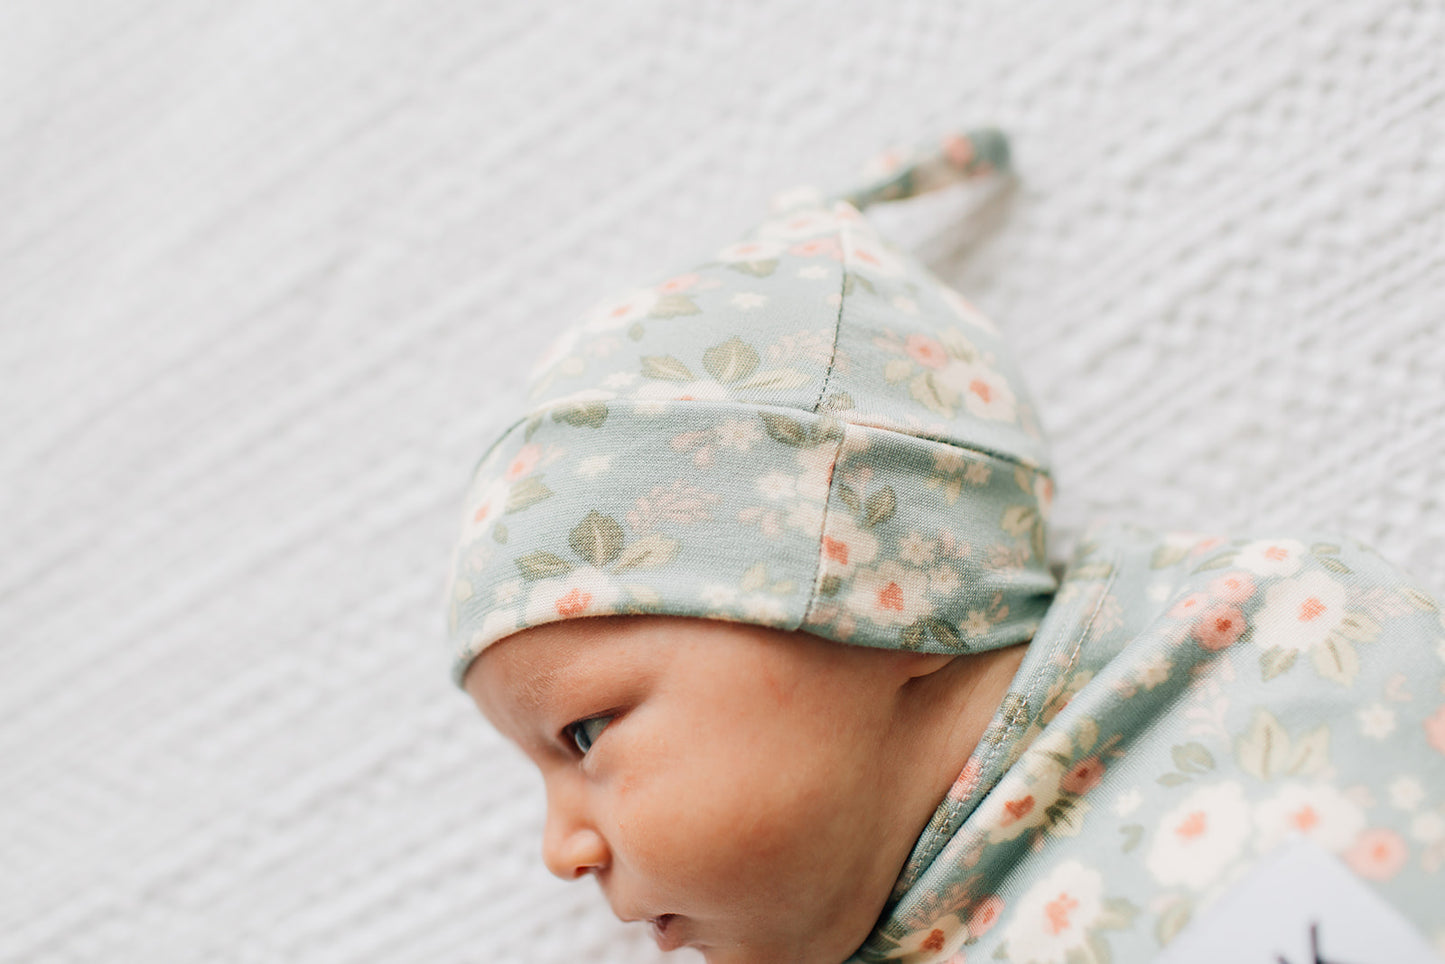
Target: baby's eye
(584,733)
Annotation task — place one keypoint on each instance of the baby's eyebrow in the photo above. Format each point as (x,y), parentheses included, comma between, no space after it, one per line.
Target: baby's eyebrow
(535,689)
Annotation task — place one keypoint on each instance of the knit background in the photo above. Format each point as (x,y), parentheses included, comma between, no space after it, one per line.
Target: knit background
(266,267)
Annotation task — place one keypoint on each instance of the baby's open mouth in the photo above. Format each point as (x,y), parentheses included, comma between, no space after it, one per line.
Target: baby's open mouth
(660,927)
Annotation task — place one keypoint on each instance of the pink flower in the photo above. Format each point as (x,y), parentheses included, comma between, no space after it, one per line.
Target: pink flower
(681,283)
(1435,729)
(958,149)
(984,915)
(1189,605)
(927,351)
(1219,627)
(1084,776)
(827,247)
(966,781)
(1232,587)
(524,462)
(1378,854)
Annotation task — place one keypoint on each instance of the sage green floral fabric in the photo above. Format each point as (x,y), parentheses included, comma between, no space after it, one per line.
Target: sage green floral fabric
(809,431)
(1189,705)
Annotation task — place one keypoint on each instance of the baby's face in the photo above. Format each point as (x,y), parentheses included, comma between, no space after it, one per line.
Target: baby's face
(737,787)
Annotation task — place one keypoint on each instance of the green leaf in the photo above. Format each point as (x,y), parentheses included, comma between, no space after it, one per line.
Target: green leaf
(1265,747)
(1335,658)
(1420,600)
(1217,562)
(830,586)
(1277,660)
(666,368)
(1311,752)
(541,564)
(838,402)
(499,533)
(649,552)
(731,361)
(636,331)
(849,497)
(532,424)
(1091,571)
(912,636)
(1118,915)
(1173,779)
(758,269)
(1357,627)
(527,492)
(672,306)
(1324,549)
(1133,833)
(1193,758)
(597,539)
(774,379)
(1334,565)
(582,415)
(925,390)
(946,635)
(787,430)
(1168,555)
(1172,921)
(880,507)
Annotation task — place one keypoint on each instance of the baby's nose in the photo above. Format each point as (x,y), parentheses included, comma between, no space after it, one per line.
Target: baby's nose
(571,847)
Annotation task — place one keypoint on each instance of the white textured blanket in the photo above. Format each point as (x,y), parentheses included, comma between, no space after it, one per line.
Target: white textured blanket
(265,266)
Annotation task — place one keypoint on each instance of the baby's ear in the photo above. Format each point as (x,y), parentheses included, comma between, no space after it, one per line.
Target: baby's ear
(919,665)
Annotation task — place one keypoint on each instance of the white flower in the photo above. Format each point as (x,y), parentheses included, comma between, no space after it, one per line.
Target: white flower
(765,610)
(737,433)
(1376,721)
(890,595)
(704,389)
(916,549)
(1199,838)
(747,300)
(621,312)
(1272,557)
(585,591)
(795,227)
(1127,802)
(1021,802)
(1428,827)
(943,581)
(508,591)
(620,380)
(776,485)
(499,623)
(813,272)
(1320,812)
(984,392)
(745,251)
(593,466)
(846,546)
(718,596)
(1053,918)
(1406,793)
(1298,614)
(975,624)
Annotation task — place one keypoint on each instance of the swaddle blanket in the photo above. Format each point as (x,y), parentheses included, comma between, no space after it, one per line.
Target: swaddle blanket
(1190,705)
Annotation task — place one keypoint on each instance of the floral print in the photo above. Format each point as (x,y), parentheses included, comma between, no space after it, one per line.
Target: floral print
(1153,750)
(811,401)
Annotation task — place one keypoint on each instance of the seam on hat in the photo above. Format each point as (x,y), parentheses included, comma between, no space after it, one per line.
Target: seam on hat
(823,530)
(838,321)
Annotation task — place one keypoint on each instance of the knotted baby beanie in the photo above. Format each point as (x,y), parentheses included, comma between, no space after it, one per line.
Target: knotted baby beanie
(808,431)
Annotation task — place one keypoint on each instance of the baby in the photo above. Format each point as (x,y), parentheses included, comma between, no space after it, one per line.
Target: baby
(759,583)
